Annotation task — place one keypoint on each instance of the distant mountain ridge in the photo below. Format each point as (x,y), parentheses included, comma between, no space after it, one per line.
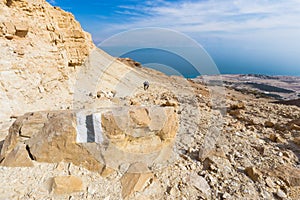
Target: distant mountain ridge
(276,87)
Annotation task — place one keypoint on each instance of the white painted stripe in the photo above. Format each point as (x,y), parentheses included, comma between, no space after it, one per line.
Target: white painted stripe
(81,128)
(98,128)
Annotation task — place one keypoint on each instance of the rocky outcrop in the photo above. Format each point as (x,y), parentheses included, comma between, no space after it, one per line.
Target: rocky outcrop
(129,134)
(130,62)
(52,139)
(141,130)
(38,44)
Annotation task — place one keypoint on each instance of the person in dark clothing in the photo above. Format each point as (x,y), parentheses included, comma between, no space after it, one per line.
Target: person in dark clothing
(146,85)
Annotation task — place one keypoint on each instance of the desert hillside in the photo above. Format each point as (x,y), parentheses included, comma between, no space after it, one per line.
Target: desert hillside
(76,123)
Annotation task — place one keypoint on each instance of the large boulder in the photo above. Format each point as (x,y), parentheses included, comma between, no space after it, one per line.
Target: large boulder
(108,137)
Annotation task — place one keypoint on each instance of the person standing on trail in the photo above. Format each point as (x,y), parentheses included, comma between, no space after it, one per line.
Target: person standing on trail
(146,85)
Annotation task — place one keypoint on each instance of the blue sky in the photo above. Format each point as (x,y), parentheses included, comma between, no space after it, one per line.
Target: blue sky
(242,36)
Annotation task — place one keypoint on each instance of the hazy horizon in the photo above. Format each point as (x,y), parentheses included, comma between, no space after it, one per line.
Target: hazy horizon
(242,37)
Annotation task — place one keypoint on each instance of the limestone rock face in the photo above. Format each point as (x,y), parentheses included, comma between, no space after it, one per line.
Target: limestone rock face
(129,135)
(38,43)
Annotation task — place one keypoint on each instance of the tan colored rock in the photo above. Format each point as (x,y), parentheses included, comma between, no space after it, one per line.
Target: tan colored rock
(21,29)
(141,129)
(9,28)
(19,157)
(10,142)
(234,112)
(239,105)
(140,117)
(9,36)
(169,130)
(134,102)
(294,125)
(56,142)
(107,171)
(207,151)
(297,140)
(172,103)
(133,181)
(200,183)
(276,138)
(214,163)
(270,182)
(253,173)
(66,185)
(269,124)
(53,139)
(113,125)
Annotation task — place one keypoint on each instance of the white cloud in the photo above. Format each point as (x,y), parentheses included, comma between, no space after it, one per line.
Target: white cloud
(213,16)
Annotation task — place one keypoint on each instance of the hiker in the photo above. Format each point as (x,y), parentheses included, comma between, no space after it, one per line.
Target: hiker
(146,85)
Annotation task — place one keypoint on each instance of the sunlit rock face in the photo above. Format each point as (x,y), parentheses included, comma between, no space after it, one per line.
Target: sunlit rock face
(109,137)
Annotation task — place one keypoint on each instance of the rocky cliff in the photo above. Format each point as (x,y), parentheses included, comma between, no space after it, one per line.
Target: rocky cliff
(41,46)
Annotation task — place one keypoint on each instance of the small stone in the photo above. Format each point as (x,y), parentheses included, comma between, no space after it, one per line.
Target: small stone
(253,173)
(269,124)
(276,138)
(293,126)
(279,139)
(134,182)
(200,183)
(297,140)
(238,134)
(226,196)
(239,105)
(123,168)
(136,179)
(270,183)
(21,29)
(173,191)
(107,171)
(266,195)
(272,137)
(9,36)
(281,194)
(66,184)
(91,190)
